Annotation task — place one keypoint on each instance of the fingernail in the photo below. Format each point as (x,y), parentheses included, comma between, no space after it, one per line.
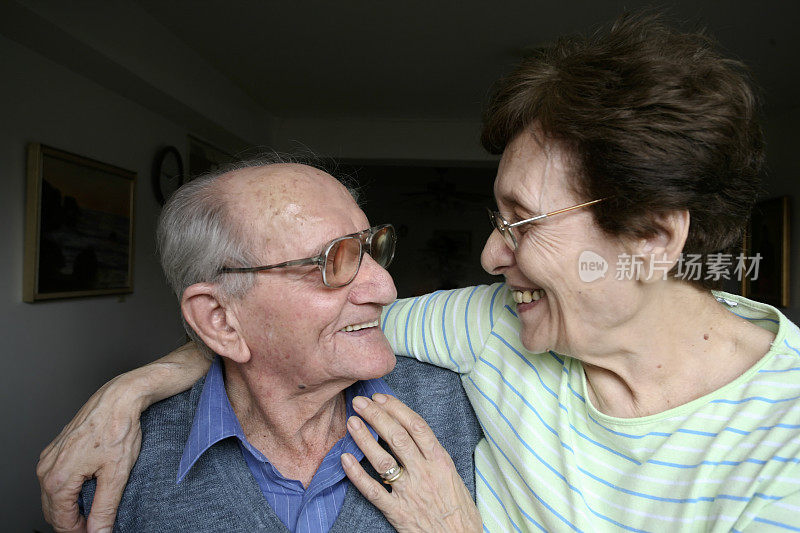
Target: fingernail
(359,402)
(348,460)
(380,398)
(354,422)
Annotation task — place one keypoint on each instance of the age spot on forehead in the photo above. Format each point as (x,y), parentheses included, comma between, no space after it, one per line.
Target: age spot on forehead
(292,209)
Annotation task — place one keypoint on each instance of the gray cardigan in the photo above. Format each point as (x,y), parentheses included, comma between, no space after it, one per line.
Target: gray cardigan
(220,494)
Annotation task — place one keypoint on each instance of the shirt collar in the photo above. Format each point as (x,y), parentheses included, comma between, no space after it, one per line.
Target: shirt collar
(215,420)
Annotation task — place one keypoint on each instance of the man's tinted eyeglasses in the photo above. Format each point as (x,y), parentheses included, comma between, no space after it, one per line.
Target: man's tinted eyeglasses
(341,258)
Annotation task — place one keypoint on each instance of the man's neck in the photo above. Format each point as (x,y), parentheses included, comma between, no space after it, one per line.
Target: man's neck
(294,429)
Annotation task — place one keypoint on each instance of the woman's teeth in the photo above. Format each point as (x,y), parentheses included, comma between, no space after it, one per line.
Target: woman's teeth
(526,297)
(356,327)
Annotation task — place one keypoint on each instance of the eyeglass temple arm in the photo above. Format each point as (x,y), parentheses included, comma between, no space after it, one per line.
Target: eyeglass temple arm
(539,217)
(573,207)
(297,262)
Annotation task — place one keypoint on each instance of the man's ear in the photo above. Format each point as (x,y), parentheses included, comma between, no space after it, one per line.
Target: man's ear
(214,322)
(661,251)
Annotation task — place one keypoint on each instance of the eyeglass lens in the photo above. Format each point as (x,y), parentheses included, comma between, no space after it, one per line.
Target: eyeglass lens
(382,247)
(344,257)
(509,237)
(342,261)
(501,226)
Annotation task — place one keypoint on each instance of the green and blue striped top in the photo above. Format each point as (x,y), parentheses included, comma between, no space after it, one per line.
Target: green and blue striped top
(550,461)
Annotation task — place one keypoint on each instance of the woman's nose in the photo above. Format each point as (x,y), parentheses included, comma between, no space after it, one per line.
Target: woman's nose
(496,256)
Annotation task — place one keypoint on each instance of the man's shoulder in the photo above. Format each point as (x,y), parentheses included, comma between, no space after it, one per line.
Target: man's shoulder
(165,428)
(420,371)
(175,410)
(423,386)
(218,494)
(421,381)
(437,394)
(166,425)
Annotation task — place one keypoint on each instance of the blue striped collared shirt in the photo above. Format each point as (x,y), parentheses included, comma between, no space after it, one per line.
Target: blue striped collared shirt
(302,510)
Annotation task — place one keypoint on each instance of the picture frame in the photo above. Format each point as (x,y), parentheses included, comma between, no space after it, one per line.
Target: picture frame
(767,234)
(79,235)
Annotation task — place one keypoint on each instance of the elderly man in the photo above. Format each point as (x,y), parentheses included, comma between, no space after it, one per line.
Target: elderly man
(256,444)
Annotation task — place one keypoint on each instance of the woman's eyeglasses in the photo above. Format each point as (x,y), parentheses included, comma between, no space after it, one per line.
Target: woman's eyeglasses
(506,230)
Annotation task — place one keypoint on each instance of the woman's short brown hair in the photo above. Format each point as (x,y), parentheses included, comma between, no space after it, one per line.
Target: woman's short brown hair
(652,118)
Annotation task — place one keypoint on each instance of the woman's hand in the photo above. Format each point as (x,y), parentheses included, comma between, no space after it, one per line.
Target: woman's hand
(429,495)
(102,441)
(104,438)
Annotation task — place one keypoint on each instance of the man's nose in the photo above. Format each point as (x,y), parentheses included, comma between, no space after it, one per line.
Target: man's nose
(496,256)
(373,284)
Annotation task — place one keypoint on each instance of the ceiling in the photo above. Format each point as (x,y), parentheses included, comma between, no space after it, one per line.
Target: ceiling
(436,59)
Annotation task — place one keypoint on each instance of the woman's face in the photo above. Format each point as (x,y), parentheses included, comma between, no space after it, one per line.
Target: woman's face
(574,311)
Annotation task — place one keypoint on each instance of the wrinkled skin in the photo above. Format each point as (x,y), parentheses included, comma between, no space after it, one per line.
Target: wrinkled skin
(107,448)
(104,438)
(429,496)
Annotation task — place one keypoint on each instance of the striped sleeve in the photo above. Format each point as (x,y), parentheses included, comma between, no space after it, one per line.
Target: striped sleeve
(782,515)
(444,328)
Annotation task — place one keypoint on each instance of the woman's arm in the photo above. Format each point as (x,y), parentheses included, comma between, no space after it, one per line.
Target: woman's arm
(103,439)
(445,328)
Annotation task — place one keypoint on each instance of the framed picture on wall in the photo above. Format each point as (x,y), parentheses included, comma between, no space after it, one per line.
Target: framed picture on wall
(79,226)
(767,242)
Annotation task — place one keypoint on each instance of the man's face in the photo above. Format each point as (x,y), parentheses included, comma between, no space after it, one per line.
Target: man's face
(291,322)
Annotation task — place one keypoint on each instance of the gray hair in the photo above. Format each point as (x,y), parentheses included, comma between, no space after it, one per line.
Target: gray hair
(197,236)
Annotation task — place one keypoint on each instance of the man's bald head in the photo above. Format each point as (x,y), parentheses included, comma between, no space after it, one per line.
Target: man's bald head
(257,192)
(224,218)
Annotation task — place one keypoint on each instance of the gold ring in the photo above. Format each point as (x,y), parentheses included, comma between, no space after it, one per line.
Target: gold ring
(393,474)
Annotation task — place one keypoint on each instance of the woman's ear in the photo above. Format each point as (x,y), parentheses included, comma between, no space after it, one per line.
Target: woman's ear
(660,252)
(214,322)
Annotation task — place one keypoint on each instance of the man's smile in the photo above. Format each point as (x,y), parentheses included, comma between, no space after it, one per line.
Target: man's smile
(356,327)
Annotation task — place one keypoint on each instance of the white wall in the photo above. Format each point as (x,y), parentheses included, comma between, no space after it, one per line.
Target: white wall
(56,353)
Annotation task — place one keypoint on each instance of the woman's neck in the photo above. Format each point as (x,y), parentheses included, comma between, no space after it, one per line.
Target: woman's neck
(679,346)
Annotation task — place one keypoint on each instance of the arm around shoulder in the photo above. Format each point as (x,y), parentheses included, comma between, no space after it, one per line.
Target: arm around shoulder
(104,437)
(445,328)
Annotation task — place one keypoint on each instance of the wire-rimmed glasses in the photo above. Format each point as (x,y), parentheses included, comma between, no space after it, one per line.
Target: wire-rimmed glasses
(506,229)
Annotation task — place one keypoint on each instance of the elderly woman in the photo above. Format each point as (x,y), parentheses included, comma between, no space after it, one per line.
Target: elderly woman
(632,397)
